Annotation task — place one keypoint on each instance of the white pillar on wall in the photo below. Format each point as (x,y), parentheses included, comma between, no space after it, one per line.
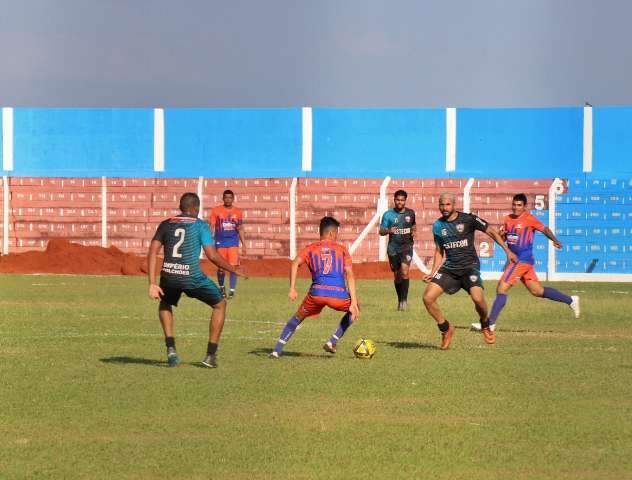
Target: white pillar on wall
(7,139)
(159,140)
(450,139)
(306,162)
(588,139)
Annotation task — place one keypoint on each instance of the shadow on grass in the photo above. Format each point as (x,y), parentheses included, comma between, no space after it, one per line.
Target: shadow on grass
(408,345)
(134,361)
(507,330)
(264,352)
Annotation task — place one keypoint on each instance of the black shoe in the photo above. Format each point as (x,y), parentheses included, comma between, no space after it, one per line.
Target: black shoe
(210,360)
(222,291)
(231,295)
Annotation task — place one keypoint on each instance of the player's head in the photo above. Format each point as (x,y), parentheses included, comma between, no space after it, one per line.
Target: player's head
(447,203)
(228,197)
(519,204)
(190,204)
(400,197)
(329,228)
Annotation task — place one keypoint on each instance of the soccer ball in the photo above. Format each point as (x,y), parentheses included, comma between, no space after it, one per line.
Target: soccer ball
(364,348)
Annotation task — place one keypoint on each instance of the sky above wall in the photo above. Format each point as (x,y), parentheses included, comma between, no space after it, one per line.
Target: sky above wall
(319,53)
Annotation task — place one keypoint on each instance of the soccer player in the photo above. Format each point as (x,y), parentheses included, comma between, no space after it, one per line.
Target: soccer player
(456,265)
(399,224)
(226,222)
(330,264)
(519,229)
(182,237)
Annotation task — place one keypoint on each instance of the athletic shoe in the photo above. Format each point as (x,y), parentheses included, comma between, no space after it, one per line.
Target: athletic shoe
(446,337)
(489,335)
(275,355)
(403,305)
(329,347)
(231,295)
(172,357)
(222,290)
(575,305)
(476,327)
(210,360)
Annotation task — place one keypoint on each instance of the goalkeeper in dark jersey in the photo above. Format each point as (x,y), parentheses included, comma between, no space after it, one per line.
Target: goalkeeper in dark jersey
(400,226)
(182,237)
(456,265)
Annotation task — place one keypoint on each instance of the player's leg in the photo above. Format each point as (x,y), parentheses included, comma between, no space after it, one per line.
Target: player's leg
(233,259)
(309,307)
(433,291)
(345,322)
(211,295)
(165,314)
(395,263)
(404,283)
(511,274)
(478,297)
(221,274)
(536,289)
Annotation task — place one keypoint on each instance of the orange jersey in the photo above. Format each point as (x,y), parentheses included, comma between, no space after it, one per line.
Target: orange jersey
(519,233)
(327,262)
(225,223)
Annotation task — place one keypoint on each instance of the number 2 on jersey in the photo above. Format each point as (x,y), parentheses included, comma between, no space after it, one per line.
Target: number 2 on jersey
(180,232)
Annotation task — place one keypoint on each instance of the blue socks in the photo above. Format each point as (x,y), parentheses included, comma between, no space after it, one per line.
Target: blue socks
(288,331)
(556,295)
(233,280)
(345,323)
(499,304)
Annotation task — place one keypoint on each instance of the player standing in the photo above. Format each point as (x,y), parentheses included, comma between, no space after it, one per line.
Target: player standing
(226,222)
(182,237)
(456,265)
(330,264)
(519,229)
(399,224)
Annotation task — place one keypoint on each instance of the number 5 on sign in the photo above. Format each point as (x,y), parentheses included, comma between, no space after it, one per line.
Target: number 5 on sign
(540,204)
(178,233)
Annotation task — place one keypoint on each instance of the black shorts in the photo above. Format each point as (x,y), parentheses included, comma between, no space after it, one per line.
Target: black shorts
(451,281)
(404,256)
(207,293)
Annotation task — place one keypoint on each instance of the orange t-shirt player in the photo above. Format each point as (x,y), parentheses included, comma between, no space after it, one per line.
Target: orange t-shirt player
(226,222)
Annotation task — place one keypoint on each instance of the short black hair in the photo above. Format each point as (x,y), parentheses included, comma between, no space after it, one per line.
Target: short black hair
(520,197)
(188,201)
(227,192)
(326,224)
(400,193)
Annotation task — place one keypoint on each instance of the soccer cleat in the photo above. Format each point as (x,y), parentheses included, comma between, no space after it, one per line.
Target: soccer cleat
(575,305)
(446,337)
(403,306)
(231,295)
(488,335)
(275,355)
(222,291)
(476,327)
(172,357)
(210,360)
(329,347)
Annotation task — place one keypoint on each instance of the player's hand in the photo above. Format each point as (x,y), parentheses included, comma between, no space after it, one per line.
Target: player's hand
(354,309)
(240,272)
(427,277)
(511,256)
(155,292)
(292,294)
(557,245)
(392,230)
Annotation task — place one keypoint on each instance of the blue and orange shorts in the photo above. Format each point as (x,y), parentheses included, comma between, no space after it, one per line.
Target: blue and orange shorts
(230,254)
(313,305)
(519,271)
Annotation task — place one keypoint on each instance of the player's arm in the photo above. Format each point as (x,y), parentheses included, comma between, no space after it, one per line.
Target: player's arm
(296,263)
(351,286)
(242,238)
(155,292)
(494,235)
(437,261)
(551,236)
(218,260)
(385,227)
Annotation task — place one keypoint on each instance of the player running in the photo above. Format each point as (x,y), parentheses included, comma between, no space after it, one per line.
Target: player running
(330,264)
(226,222)
(519,229)
(456,265)
(182,237)
(399,224)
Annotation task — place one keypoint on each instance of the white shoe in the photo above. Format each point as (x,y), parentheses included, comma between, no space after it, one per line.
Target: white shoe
(274,355)
(575,305)
(476,327)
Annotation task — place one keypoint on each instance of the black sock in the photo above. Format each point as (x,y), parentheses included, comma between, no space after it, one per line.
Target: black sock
(170,342)
(398,289)
(211,349)
(444,326)
(404,289)
(484,323)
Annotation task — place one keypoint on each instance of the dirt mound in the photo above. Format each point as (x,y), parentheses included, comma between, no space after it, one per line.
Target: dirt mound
(65,257)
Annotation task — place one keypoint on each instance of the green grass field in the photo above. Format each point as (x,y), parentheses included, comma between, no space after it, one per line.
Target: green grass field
(86,393)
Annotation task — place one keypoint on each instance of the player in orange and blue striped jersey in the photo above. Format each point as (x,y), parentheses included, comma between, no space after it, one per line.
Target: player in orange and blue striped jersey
(226,222)
(333,285)
(519,230)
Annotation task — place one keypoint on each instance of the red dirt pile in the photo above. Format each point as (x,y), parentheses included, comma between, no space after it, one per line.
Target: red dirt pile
(64,257)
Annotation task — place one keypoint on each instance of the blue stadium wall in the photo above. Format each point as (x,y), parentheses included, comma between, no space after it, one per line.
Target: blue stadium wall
(368,143)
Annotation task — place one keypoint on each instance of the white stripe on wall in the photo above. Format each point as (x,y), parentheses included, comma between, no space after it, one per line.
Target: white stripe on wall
(307,139)
(588,139)
(450,139)
(5,215)
(159,140)
(7,138)
(104,212)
